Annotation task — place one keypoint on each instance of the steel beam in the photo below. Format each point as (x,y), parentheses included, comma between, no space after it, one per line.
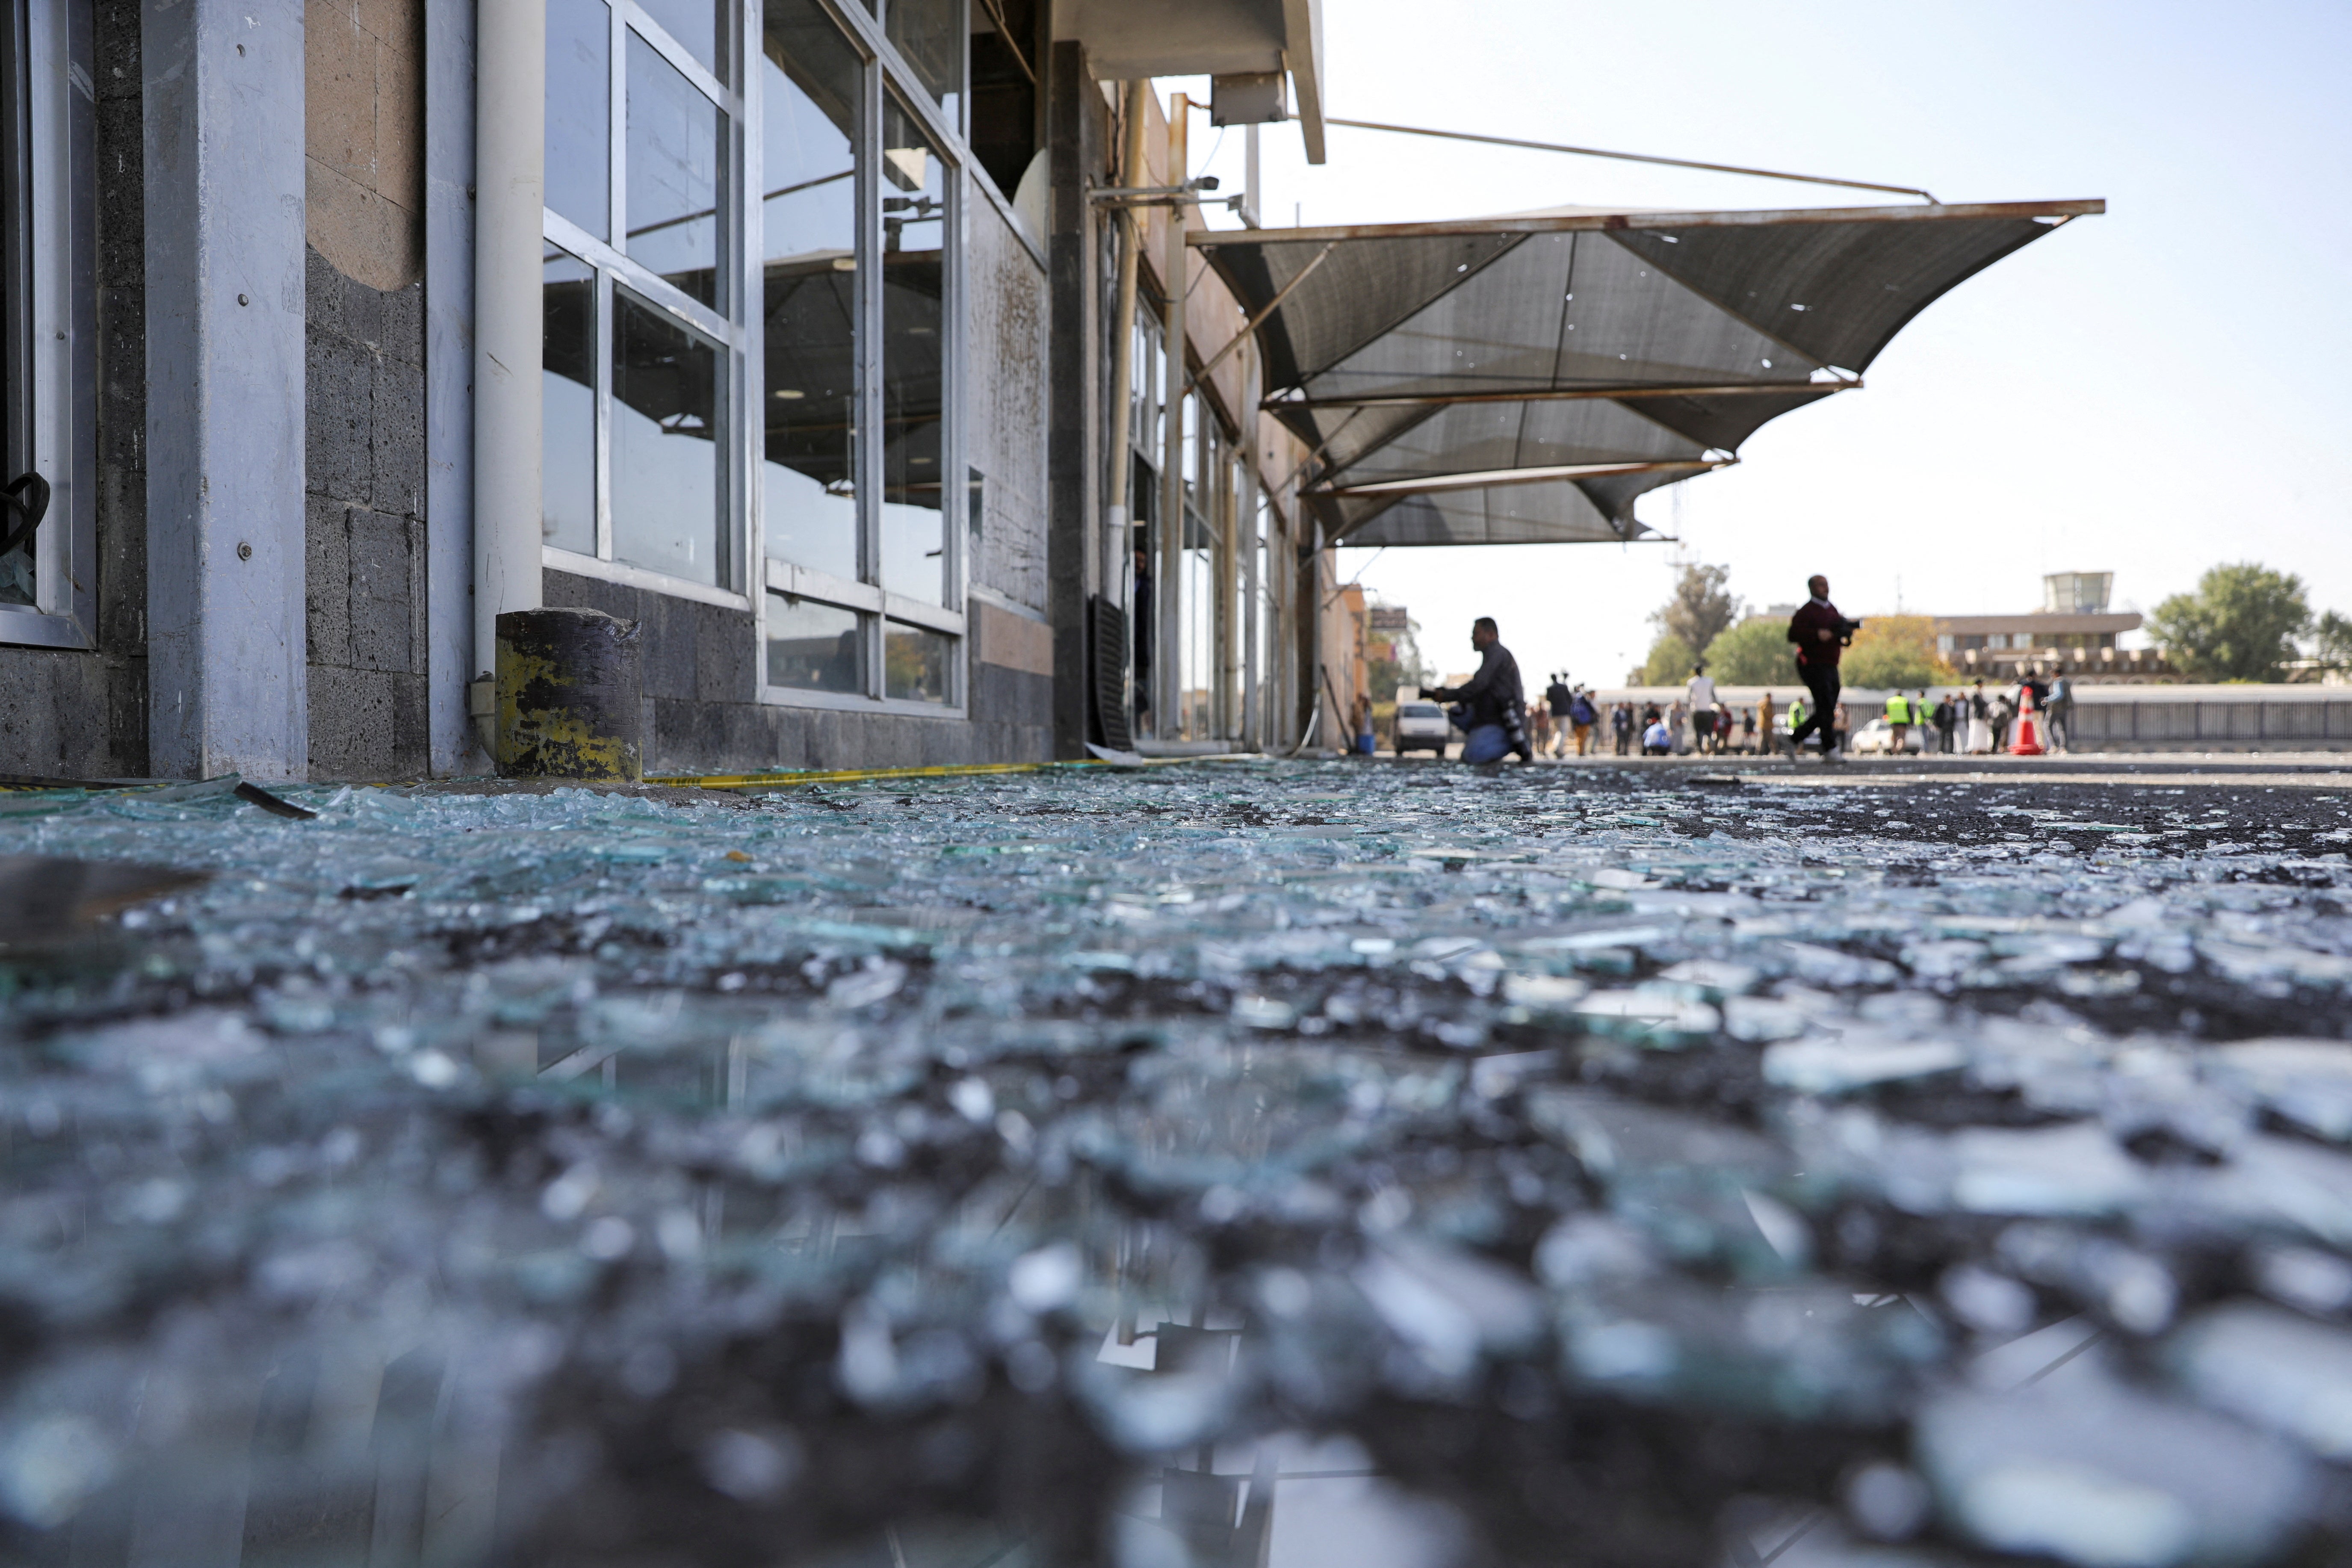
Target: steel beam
(1561,394)
(1571,223)
(1634,157)
(1494,479)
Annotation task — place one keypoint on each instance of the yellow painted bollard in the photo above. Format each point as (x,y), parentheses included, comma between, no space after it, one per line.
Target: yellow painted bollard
(568,689)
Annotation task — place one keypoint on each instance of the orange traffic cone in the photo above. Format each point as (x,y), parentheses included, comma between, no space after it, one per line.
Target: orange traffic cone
(2027,739)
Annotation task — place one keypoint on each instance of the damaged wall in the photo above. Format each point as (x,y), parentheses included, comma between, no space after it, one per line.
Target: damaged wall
(364,451)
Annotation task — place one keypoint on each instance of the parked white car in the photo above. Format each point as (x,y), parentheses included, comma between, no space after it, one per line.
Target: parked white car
(1878,735)
(1420,727)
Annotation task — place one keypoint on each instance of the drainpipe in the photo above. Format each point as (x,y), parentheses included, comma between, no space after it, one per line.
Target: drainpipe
(510,161)
(1167,589)
(1117,550)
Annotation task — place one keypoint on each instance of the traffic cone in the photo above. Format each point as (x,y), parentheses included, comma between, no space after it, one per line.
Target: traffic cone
(2027,741)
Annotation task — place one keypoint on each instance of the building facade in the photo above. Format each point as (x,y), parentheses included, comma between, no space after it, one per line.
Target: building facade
(788,330)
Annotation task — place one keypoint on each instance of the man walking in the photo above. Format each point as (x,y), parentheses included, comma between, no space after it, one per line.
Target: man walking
(2062,711)
(1559,699)
(1582,714)
(1700,694)
(1820,635)
(1495,726)
(1899,719)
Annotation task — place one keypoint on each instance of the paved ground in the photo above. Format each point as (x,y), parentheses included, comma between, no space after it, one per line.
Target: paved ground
(1354,1164)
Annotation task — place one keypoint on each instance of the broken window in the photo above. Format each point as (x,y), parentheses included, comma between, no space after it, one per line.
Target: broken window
(47,327)
(859,317)
(1007,108)
(643,325)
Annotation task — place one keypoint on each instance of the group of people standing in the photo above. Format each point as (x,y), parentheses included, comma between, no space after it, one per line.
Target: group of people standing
(1492,711)
(1568,715)
(1975,721)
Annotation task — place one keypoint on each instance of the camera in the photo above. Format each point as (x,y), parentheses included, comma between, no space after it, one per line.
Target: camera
(1845,630)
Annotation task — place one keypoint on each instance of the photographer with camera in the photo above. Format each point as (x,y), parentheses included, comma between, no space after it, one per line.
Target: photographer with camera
(1821,634)
(1491,706)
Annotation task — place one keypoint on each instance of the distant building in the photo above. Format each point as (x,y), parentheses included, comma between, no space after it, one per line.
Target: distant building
(2074,627)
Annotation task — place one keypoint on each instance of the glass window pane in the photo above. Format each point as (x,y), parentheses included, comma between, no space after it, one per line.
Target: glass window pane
(579,112)
(927,35)
(18,583)
(700,24)
(915,662)
(813,646)
(809,92)
(914,358)
(674,175)
(666,459)
(567,440)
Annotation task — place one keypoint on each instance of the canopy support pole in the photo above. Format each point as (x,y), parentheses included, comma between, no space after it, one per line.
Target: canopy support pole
(1251,711)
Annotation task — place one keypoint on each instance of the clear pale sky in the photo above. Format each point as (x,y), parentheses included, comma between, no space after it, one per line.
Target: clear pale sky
(2149,393)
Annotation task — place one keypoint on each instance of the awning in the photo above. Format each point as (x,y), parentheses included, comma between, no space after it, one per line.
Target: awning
(1522,379)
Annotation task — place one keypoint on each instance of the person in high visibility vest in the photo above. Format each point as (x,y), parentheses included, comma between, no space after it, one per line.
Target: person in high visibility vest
(1899,719)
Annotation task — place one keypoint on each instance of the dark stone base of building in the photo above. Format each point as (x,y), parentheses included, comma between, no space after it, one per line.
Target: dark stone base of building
(703,714)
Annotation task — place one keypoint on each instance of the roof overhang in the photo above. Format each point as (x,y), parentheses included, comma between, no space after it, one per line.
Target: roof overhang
(1565,351)
(1127,39)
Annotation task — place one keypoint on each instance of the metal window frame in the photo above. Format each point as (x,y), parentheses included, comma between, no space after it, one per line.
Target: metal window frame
(51,141)
(729,329)
(884,76)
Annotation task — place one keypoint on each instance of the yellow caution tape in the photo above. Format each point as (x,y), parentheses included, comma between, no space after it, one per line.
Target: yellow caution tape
(942,771)
(853,776)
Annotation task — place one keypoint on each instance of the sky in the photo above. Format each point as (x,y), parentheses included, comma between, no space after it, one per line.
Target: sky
(2151,391)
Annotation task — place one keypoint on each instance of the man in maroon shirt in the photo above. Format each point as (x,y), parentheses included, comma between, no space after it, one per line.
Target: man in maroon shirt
(1820,635)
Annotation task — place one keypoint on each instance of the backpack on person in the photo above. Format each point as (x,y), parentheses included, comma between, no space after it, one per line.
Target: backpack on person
(1580,710)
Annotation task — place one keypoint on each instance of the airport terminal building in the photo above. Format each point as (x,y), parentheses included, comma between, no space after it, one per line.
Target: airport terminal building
(833,341)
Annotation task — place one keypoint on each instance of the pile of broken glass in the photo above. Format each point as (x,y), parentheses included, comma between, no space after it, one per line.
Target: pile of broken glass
(1289,1163)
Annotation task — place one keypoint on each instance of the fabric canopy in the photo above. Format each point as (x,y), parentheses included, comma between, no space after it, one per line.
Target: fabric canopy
(1522,379)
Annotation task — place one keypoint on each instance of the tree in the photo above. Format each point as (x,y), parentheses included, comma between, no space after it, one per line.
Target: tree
(1669,663)
(1895,650)
(1754,653)
(1701,610)
(2331,637)
(2239,625)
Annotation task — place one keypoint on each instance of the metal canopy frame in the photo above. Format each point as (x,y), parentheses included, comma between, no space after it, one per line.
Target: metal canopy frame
(1429,369)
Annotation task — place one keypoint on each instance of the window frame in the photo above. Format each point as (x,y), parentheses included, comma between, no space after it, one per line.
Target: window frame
(732,329)
(884,77)
(50,144)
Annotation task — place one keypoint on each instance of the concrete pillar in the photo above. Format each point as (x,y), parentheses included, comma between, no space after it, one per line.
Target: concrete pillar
(226,668)
(510,161)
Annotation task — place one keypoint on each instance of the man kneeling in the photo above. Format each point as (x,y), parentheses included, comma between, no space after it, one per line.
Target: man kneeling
(1496,724)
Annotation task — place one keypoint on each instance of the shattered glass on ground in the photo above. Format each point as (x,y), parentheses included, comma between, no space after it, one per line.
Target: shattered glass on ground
(1228,1164)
